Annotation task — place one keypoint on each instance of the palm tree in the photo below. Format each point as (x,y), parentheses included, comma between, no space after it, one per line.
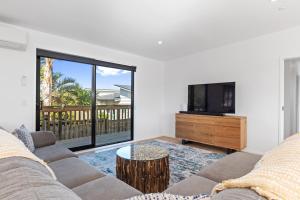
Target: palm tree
(63,90)
(57,90)
(66,91)
(46,80)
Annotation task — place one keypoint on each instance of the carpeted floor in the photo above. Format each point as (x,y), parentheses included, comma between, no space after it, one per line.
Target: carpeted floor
(184,160)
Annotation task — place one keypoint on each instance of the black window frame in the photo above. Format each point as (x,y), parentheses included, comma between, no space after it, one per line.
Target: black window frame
(94,63)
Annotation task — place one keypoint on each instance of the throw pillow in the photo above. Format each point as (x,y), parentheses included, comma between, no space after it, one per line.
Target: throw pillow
(165,196)
(25,136)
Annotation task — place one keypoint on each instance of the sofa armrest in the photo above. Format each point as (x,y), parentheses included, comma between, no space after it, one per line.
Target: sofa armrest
(43,138)
(231,166)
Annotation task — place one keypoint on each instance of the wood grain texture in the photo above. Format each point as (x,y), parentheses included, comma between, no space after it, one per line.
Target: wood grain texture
(222,131)
(147,176)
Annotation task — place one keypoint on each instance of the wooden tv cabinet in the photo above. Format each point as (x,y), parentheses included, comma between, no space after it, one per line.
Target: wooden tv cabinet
(222,131)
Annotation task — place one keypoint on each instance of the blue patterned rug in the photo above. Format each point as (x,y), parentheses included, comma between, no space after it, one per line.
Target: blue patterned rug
(184,160)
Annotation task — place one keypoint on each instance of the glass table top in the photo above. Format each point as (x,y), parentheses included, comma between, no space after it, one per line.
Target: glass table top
(142,152)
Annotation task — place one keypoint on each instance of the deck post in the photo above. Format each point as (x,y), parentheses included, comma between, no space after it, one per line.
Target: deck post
(60,125)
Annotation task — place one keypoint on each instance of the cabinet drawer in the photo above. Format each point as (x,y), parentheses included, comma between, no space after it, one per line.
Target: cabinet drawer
(231,143)
(192,131)
(232,122)
(184,127)
(227,132)
(204,138)
(203,129)
(228,137)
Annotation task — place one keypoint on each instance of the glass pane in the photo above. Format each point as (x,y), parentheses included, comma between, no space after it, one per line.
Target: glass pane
(113,103)
(65,94)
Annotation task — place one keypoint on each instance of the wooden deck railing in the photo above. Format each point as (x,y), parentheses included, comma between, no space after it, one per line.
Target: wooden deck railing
(72,122)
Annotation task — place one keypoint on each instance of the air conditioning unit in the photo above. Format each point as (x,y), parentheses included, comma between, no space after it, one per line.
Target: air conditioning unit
(13,38)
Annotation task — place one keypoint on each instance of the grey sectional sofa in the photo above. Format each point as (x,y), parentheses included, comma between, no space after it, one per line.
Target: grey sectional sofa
(231,166)
(26,179)
(75,179)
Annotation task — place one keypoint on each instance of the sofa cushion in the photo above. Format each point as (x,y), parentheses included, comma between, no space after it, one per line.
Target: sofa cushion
(237,194)
(43,138)
(25,136)
(232,166)
(16,162)
(27,181)
(54,153)
(192,186)
(73,172)
(106,188)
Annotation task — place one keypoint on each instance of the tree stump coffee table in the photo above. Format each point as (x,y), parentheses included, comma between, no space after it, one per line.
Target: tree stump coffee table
(144,167)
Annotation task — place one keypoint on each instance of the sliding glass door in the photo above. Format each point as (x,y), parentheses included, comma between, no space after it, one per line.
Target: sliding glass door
(85,102)
(113,102)
(65,101)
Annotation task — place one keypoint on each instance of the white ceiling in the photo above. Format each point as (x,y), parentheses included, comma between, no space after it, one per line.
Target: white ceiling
(184,26)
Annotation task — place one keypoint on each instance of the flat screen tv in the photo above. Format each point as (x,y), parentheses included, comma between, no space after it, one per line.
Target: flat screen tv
(214,99)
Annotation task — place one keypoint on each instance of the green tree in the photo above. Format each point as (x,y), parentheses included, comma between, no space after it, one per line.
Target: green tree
(63,90)
(83,96)
(66,91)
(58,90)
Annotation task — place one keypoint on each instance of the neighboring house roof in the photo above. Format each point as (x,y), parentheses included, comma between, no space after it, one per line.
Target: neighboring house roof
(108,94)
(124,100)
(115,95)
(125,87)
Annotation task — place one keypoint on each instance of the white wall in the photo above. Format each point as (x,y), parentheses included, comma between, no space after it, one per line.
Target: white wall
(17,104)
(254,65)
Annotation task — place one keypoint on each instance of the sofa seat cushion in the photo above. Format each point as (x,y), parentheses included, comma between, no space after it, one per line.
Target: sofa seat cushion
(73,172)
(106,188)
(54,153)
(193,185)
(237,194)
(232,166)
(27,180)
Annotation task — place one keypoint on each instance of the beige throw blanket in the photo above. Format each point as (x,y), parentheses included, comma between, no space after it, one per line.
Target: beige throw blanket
(276,175)
(11,146)
(165,196)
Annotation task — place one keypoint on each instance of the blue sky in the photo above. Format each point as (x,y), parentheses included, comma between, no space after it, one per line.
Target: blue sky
(82,73)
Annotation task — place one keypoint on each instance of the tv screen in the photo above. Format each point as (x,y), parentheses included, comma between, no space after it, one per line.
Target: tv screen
(212,98)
